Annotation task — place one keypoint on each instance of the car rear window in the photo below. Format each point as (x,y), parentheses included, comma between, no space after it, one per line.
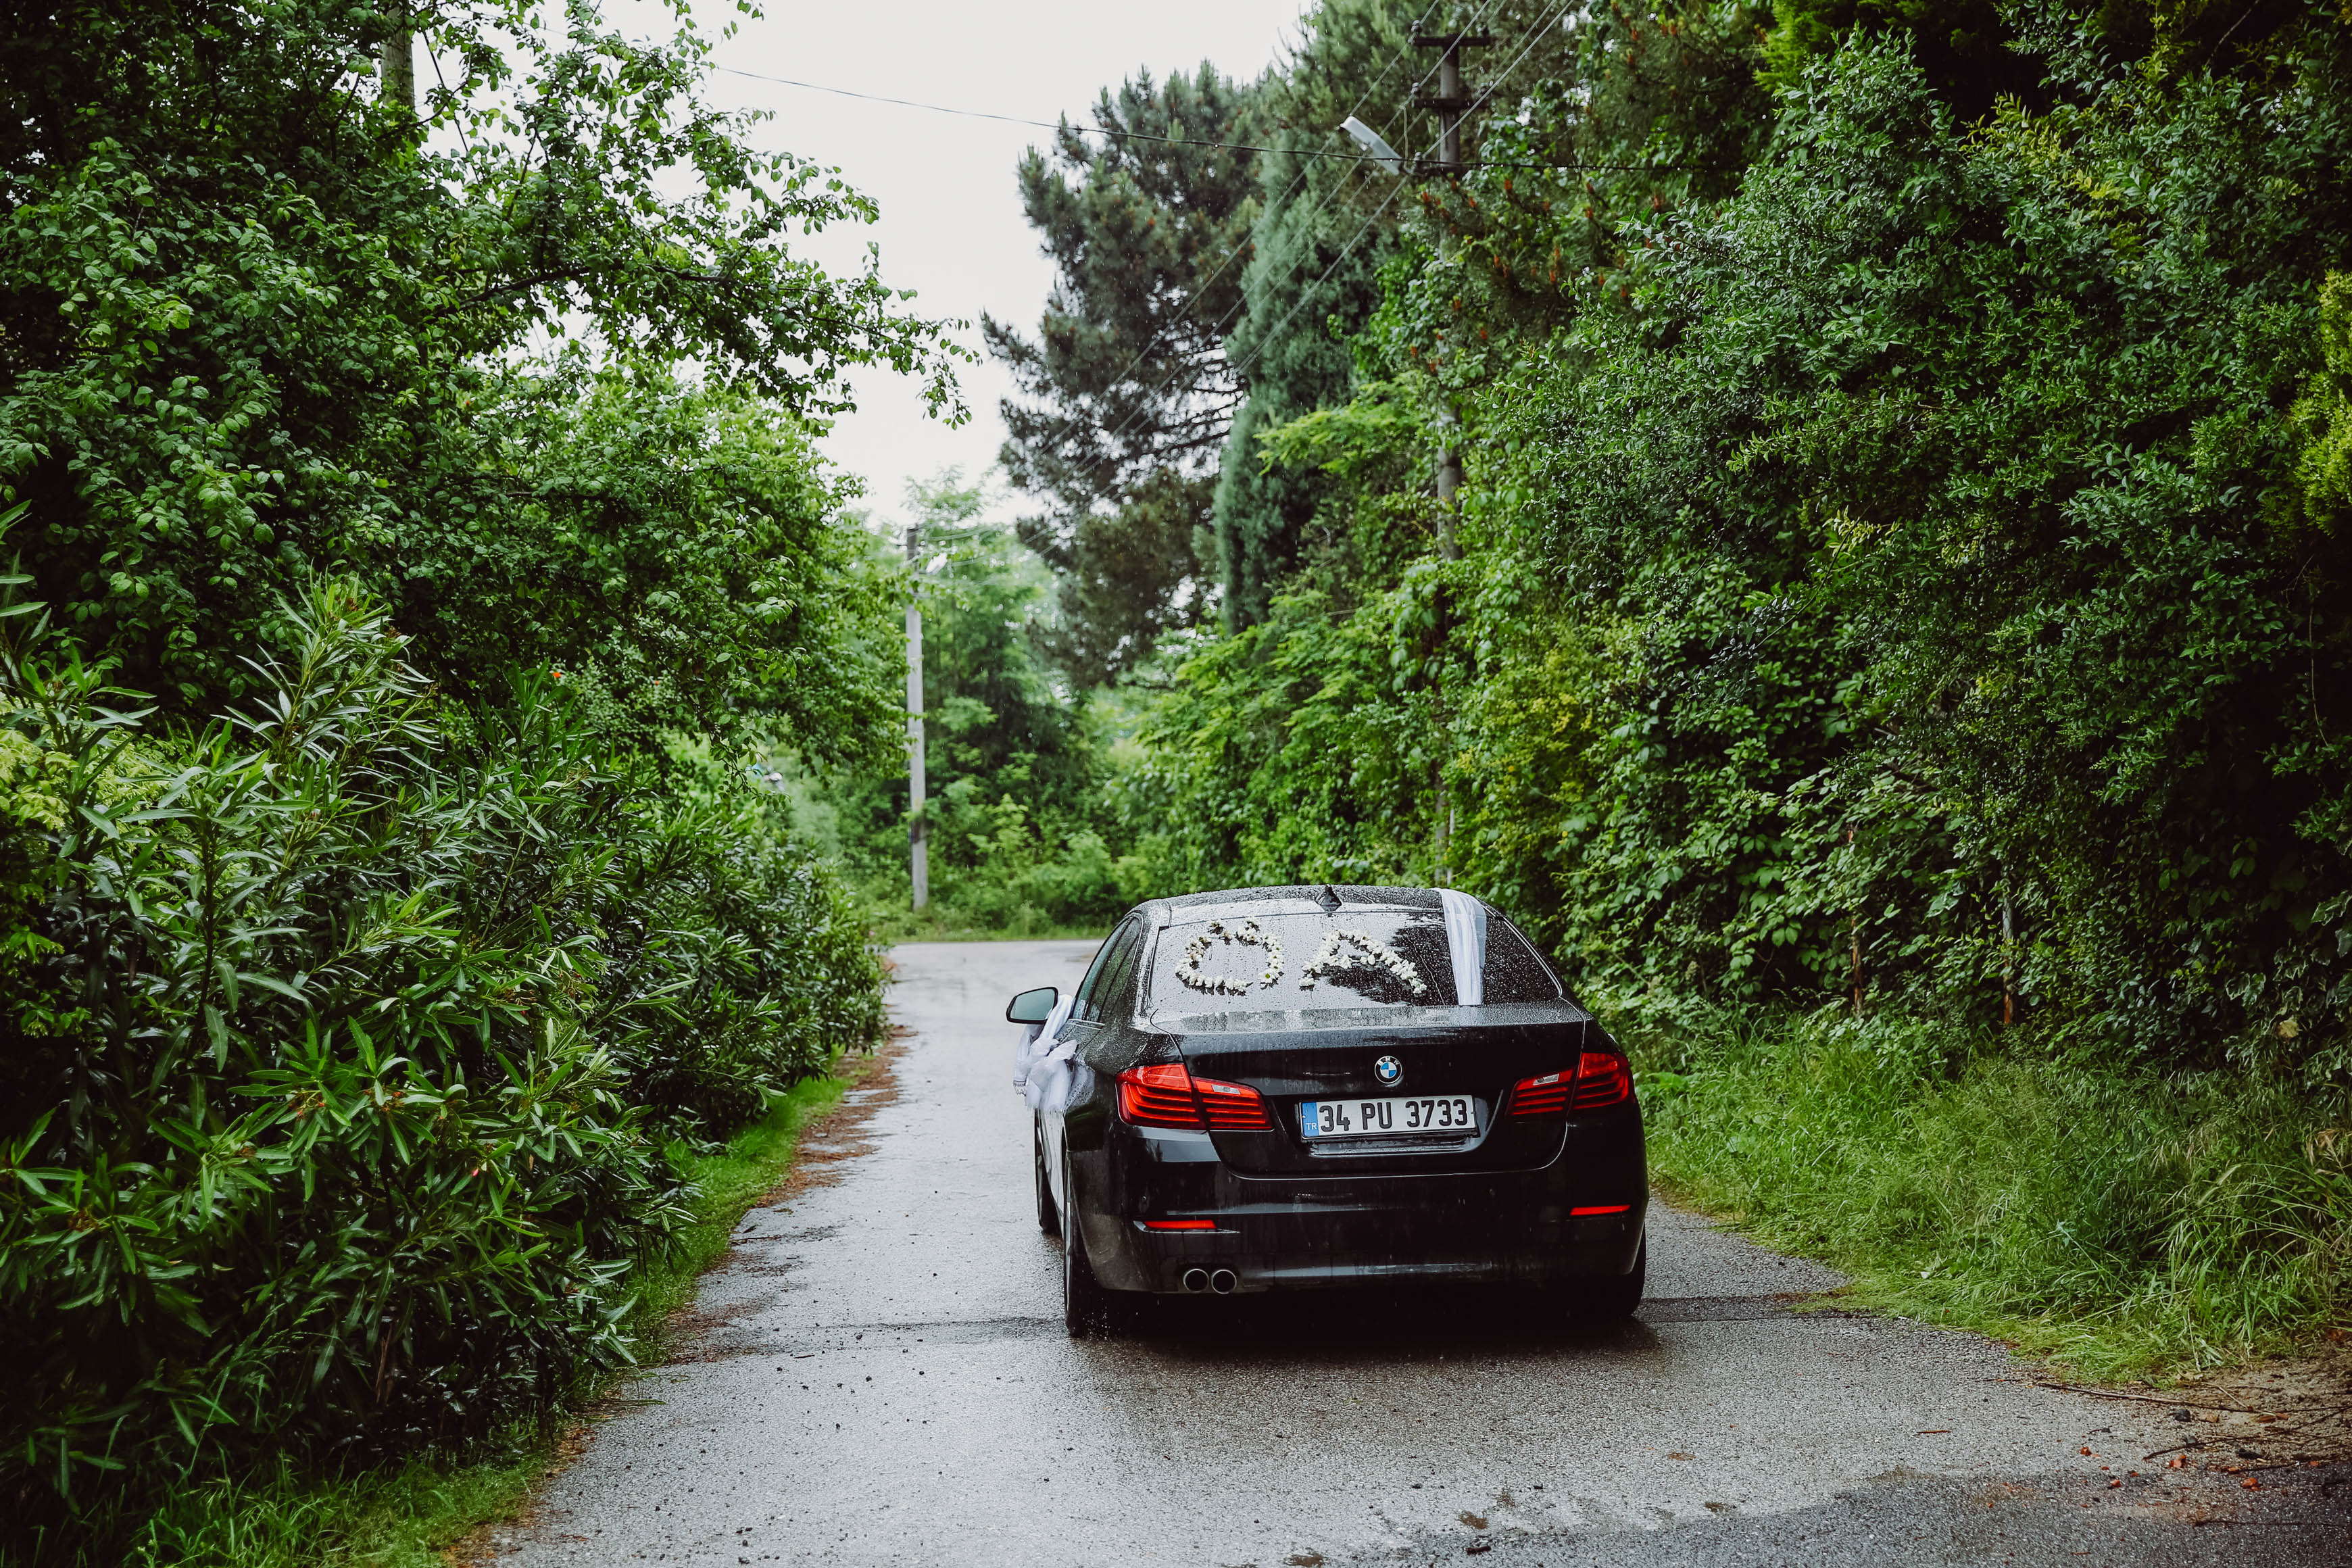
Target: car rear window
(1515,972)
(1359,957)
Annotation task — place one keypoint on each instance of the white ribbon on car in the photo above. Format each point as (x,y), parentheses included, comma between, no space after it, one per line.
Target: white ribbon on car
(1037,1040)
(1465,943)
(1053,1078)
(1045,1063)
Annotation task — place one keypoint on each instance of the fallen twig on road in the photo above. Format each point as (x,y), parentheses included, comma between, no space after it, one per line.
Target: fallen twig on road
(2144,1398)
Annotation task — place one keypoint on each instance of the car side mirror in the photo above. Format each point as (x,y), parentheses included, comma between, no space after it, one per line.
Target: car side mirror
(1033,1006)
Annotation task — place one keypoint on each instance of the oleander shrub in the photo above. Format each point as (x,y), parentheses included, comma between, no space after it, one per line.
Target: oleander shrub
(363,994)
(348,1047)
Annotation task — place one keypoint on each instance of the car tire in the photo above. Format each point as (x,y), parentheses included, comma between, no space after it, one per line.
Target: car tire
(1085,1306)
(1611,1300)
(1048,1219)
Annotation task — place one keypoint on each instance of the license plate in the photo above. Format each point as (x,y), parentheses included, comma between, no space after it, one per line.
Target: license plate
(1419,1113)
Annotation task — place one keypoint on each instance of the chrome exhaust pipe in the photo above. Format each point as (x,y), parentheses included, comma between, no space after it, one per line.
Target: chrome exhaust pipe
(1223,1281)
(1196,1280)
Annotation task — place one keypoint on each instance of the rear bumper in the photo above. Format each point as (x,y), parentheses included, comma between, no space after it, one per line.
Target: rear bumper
(1292,1233)
(1286,1253)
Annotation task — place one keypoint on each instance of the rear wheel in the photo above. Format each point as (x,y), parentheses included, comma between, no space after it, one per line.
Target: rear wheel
(1048,1220)
(1086,1307)
(1611,1300)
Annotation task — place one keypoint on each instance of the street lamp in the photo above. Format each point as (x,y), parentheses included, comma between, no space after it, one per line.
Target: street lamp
(1370,141)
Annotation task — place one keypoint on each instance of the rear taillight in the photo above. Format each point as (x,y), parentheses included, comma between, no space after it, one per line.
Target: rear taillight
(1158,1097)
(1232,1107)
(1545,1095)
(1169,1096)
(1601,1079)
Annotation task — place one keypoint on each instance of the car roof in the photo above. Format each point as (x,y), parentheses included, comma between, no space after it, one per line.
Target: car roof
(1297,897)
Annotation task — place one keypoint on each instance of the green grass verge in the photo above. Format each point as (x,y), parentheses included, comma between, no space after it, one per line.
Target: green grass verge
(2126,1225)
(406,1515)
(945,923)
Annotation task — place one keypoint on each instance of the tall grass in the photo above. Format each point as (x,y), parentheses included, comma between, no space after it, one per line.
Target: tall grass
(279,1515)
(2123,1222)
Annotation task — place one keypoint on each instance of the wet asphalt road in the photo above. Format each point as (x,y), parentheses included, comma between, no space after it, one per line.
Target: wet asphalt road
(883,1378)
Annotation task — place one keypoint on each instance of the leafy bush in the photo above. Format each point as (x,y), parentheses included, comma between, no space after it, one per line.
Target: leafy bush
(262,320)
(349,1045)
(1944,494)
(1920,569)
(344,1046)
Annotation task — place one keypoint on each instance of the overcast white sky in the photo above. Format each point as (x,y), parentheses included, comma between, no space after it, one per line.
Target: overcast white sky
(952,226)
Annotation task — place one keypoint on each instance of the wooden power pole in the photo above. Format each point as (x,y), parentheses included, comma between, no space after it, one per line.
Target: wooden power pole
(1453,104)
(919,858)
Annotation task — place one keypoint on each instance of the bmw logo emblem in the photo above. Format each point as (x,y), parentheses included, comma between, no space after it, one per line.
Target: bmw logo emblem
(1390,1071)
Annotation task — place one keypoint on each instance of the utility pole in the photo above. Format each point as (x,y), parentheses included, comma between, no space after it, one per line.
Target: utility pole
(918,856)
(1454,105)
(397,69)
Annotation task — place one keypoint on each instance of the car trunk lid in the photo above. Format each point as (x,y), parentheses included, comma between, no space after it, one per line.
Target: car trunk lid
(1304,1057)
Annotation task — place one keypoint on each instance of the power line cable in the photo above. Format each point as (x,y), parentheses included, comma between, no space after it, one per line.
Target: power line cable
(1092,129)
(1305,294)
(1337,157)
(1249,245)
(1112,437)
(1063,125)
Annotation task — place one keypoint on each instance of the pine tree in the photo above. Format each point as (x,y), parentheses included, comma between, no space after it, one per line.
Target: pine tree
(1128,390)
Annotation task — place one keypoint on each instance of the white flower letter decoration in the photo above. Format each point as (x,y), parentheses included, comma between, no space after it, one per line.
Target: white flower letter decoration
(1247,933)
(1334,956)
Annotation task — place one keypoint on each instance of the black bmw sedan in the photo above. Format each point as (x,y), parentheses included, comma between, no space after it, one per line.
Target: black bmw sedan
(1278,1089)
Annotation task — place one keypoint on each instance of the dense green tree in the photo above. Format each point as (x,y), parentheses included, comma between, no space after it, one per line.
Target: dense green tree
(1963,48)
(1581,131)
(678,550)
(1127,578)
(1643,108)
(1148,217)
(1329,217)
(1917,574)
(1004,721)
(253,316)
